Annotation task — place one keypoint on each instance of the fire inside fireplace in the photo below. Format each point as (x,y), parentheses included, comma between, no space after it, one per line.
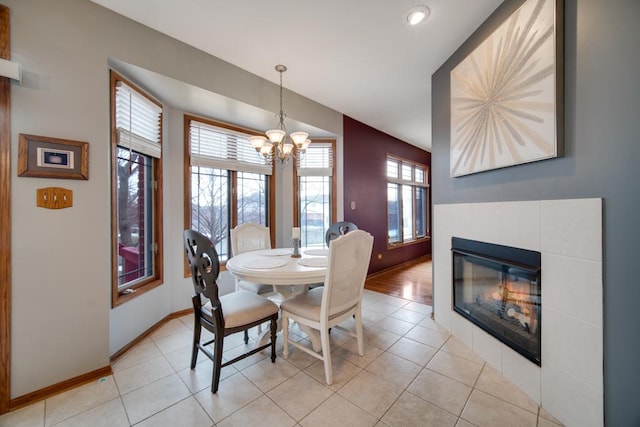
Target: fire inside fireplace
(498,288)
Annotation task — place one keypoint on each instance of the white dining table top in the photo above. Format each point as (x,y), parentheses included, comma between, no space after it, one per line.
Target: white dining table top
(277,267)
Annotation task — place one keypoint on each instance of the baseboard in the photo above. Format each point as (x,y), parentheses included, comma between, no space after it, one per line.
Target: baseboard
(58,388)
(115,356)
(420,259)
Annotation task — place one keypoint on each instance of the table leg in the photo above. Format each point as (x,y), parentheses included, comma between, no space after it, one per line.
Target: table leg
(314,337)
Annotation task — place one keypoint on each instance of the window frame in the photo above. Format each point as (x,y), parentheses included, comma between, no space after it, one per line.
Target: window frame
(333,182)
(118,296)
(401,181)
(233,182)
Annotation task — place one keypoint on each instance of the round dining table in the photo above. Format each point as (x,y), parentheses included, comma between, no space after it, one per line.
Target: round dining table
(277,267)
(288,275)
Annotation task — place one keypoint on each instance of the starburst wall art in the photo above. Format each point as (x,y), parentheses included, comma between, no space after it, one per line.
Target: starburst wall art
(506,96)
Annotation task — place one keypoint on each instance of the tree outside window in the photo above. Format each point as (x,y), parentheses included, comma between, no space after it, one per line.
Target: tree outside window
(315,189)
(229,183)
(137,187)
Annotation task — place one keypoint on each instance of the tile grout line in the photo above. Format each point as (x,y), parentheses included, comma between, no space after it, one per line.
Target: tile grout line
(386,350)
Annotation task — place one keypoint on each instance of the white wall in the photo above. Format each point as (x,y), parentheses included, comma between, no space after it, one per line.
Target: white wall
(62,324)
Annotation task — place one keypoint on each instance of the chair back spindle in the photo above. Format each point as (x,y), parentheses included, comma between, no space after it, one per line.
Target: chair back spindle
(204,264)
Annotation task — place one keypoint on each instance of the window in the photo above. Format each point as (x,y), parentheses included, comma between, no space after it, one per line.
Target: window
(136,199)
(407,201)
(226,181)
(315,190)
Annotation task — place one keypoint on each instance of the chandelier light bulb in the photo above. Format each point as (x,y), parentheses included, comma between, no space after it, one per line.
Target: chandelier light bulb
(265,150)
(257,142)
(287,148)
(299,138)
(276,135)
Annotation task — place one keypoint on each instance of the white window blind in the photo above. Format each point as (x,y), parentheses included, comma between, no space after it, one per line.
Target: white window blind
(317,161)
(218,147)
(138,121)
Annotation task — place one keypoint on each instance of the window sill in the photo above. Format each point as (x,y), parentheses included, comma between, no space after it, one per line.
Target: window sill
(128,294)
(391,246)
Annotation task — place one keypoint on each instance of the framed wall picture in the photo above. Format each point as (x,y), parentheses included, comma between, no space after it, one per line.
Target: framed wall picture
(44,157)
(507,94)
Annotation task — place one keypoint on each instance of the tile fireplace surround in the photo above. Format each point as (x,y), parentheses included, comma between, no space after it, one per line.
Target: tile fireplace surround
(568,233)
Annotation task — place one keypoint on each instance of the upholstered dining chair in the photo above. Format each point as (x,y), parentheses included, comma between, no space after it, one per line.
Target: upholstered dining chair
(337,229)
(222,315)
(334,231)
(340,298)
(250,237)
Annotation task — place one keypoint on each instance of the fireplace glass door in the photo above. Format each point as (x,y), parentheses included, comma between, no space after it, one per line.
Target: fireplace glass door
(501,296)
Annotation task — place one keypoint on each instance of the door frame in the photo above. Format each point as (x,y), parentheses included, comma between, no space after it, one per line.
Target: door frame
(5,218)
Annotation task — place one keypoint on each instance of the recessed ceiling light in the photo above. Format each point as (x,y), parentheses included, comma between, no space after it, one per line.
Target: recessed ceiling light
(418,14)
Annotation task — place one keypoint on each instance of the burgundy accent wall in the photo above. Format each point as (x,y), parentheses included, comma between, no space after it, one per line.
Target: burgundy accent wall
(365,152)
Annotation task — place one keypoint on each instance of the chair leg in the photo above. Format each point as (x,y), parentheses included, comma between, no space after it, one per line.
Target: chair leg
(246,336)
(197,330)
(359,333)
(217,359)
(285,336)
(326,356)
(274,330)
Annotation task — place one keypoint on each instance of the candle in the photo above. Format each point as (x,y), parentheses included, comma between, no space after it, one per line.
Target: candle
(295,233)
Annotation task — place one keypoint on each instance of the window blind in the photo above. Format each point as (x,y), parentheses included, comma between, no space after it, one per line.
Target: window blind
(317,160)
(218,147)
(138,121)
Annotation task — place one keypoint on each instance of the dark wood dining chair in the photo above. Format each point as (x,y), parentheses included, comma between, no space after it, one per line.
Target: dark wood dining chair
(338,229)
(222,315)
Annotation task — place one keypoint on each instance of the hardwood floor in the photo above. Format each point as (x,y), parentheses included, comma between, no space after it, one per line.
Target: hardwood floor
(411,281)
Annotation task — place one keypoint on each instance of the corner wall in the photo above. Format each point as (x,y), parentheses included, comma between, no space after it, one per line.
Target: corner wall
(602,100)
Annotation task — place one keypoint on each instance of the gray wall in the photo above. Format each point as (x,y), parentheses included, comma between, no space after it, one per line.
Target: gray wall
(62,324)
(602,151)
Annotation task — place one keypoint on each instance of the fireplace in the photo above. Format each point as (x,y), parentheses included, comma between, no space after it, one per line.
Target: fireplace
(498,289)
(568,234)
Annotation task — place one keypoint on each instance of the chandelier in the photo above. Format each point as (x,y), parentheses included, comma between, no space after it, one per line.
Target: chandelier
(277,144)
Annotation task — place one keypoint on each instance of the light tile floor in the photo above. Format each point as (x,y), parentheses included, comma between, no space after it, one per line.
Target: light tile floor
(413,374)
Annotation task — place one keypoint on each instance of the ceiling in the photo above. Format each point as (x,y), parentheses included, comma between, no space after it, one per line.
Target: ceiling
(359,58)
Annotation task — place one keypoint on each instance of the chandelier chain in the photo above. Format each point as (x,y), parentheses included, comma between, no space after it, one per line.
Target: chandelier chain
(281,113)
